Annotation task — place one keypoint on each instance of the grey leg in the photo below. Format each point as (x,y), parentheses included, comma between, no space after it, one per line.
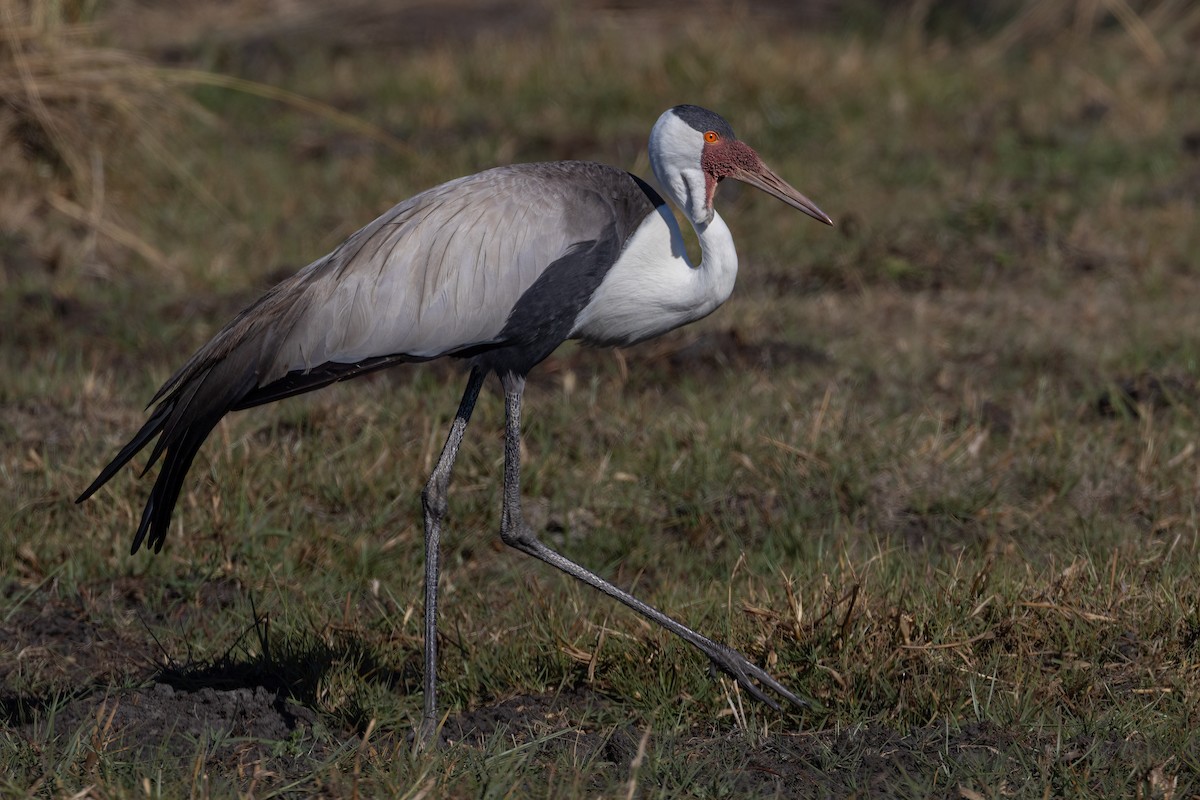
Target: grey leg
(434,502)
(516,533)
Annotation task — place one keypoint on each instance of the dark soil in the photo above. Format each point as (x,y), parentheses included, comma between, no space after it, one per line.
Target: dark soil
(76,675)
(235,727)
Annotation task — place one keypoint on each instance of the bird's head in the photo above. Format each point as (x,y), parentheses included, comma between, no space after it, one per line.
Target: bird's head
(693,149)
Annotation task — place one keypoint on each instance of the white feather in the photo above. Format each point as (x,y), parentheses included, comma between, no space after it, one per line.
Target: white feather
(653,287)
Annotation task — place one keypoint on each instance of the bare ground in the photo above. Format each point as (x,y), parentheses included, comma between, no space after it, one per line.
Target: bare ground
(254,716)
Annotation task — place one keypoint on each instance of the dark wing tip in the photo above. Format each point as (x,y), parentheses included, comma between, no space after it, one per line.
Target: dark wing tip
(148,431)
(143,526)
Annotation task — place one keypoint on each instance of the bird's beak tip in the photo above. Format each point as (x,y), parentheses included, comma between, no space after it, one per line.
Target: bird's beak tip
(765,178)
(803,204)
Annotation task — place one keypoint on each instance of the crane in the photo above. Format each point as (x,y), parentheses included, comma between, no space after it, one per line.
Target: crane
(497,268)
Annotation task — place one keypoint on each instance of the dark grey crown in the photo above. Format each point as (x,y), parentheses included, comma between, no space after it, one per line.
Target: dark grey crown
(704,120)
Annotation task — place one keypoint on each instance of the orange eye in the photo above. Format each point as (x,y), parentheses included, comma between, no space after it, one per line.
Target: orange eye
(711,137)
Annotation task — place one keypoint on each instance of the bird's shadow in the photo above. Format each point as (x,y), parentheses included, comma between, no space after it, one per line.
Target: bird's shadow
(293,667)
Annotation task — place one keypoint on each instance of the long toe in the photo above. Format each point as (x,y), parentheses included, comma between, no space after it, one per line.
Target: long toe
(751,678)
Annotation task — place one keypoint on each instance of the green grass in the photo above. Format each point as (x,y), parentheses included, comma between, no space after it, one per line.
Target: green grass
(897,467)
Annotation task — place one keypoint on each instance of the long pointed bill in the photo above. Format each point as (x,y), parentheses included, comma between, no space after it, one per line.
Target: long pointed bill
(762,177)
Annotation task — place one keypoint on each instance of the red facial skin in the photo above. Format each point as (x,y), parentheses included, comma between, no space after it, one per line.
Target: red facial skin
(722,158)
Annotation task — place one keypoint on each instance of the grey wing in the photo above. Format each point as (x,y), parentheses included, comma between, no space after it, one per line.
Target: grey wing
(439,273)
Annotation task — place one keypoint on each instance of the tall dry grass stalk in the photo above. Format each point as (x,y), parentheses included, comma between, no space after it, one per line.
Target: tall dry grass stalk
(71,110)
(1153,27)
(68,107)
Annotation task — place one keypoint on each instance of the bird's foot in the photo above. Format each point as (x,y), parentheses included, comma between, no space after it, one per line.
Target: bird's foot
(751,677)
(428,736)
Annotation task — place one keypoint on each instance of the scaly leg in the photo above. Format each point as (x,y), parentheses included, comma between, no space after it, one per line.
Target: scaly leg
(516,533)
(434,502)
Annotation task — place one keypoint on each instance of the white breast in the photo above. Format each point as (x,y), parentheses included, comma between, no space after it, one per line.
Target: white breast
(653,288)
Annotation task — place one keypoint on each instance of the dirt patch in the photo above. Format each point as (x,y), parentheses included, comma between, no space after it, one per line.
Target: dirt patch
(522,716)
(59,643)
(1133,396)
(693,355)
(233,727)
(93,638)
(869,760)
(731,350)
(88,677)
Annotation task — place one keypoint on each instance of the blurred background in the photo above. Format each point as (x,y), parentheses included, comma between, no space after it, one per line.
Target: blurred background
(936,467)
(131,131)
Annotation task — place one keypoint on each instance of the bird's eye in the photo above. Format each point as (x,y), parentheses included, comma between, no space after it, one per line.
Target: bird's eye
(711,137)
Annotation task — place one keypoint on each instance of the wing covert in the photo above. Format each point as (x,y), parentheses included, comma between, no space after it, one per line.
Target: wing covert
(442,271)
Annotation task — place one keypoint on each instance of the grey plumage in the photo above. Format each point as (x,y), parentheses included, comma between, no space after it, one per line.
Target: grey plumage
(498,268)
(428,278)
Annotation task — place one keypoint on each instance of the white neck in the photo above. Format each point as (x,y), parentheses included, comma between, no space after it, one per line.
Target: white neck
(711,283)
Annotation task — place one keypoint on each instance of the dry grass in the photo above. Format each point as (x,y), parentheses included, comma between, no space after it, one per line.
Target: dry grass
(84,128)
(937,469)
(1077,23)
(70,109)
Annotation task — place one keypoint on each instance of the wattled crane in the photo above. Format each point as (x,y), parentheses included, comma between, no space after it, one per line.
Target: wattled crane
(499,269)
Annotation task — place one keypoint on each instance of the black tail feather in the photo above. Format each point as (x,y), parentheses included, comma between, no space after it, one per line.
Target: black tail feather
(180,402)
(151,429)
(295,383)
(191,404)
(182,421)
(156,517)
